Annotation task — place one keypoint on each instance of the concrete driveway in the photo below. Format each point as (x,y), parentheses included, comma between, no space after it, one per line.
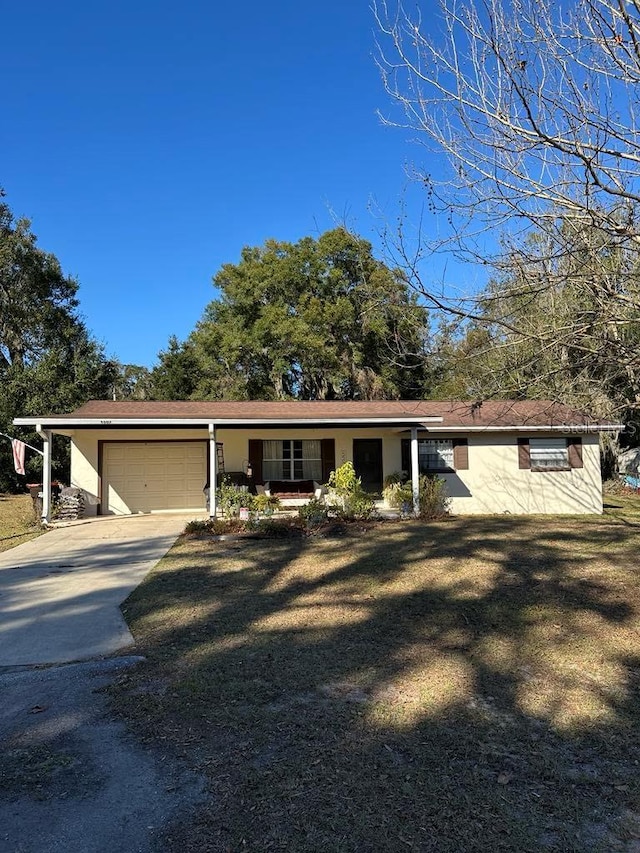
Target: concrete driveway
(60,593)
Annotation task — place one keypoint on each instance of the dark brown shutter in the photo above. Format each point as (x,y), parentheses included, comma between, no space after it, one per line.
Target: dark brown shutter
(255,458)
(574,448)
(405,457)
(460,454)
(524,455)
(328,456)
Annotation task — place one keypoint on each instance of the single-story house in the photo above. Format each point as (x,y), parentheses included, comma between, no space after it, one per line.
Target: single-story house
(496,456)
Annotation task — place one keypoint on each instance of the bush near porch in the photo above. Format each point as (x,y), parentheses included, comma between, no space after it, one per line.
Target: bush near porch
(433,501)
(345,498)
(463,685)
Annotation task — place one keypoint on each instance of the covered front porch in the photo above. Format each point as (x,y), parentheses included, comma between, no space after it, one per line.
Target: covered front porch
(127,470)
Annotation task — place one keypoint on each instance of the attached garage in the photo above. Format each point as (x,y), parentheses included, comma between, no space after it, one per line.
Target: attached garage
(153,476)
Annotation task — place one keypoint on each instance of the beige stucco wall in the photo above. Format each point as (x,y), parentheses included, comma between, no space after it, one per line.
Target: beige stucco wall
(492,484)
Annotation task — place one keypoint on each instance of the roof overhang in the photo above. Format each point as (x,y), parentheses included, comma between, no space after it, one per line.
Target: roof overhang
(566,428)
(191,423)
(397,423)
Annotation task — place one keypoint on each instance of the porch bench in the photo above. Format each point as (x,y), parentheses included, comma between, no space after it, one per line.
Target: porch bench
(291,490)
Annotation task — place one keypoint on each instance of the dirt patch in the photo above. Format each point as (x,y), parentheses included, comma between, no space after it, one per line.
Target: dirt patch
(42,771)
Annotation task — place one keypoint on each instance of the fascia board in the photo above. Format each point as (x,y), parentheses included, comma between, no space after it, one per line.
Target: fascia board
(430,424)
(524,428)
(70,423)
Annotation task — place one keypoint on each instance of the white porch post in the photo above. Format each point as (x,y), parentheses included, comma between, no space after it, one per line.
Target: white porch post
(415,472)
(213,471)
(45,435)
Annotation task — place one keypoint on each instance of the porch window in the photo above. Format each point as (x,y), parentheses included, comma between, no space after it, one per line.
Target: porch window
(435,454)
(292,459)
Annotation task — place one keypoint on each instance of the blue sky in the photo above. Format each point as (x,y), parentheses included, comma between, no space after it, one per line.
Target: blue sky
(150,141)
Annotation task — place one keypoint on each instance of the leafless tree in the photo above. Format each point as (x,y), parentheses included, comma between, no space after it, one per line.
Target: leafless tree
(536,106)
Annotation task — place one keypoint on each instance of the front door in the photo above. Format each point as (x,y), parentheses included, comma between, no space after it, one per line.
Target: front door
(367,460)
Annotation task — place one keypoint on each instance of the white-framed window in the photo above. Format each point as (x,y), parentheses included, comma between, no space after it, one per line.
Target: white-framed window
(292,459)
(435,454)
(549,453)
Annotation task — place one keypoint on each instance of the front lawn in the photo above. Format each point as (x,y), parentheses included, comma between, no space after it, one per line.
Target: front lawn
(465,685)
(17,521)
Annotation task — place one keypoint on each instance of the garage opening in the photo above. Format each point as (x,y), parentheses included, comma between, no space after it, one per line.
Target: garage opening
(153,476)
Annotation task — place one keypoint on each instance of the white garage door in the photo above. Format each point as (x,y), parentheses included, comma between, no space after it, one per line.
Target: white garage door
(153,476)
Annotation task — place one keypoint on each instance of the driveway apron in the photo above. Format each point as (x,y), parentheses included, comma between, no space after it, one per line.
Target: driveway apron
(60,593)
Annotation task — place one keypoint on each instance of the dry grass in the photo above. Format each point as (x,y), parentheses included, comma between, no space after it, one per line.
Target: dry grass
(17,521)
(466,685)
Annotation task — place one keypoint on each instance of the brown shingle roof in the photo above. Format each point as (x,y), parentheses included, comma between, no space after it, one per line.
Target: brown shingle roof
(455,414)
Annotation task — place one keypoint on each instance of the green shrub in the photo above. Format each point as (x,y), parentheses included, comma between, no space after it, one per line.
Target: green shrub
(274,528)
(198,525)
(314,513)
(359,506)
(398,477)
(346,494)
(398,494)
(215,526)
(434,501)
(266,504)
(433,498)
(231,498)
(343,480)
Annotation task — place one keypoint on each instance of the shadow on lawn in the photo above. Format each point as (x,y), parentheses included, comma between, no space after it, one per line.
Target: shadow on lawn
(469,685)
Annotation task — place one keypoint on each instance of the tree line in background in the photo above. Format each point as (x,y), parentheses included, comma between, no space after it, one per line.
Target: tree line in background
(534,106)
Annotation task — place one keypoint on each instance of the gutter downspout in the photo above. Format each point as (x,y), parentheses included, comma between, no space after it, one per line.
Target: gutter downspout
(415,473)
(213,471)
(45,435)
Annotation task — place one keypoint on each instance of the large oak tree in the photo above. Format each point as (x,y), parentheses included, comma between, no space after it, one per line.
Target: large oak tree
(313,320)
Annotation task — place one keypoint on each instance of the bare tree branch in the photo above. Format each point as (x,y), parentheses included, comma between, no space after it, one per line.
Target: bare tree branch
(535,106)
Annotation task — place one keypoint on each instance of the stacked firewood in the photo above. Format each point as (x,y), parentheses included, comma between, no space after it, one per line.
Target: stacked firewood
(70,506)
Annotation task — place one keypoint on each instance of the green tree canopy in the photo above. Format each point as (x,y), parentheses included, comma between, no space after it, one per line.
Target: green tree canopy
(48,360)
(35,296)
(313,320)
(177,375)
(131,382)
